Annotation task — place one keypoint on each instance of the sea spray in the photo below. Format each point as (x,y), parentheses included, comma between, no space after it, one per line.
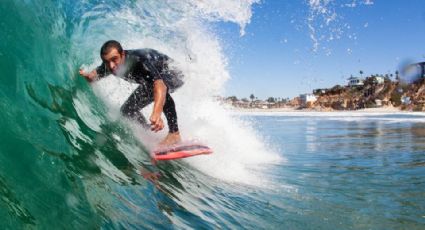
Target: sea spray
(326,22)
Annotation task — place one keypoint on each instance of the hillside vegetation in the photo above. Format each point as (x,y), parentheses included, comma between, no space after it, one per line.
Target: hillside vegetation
(372,94)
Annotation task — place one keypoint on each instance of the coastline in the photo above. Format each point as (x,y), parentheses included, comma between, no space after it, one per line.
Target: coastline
(380,110)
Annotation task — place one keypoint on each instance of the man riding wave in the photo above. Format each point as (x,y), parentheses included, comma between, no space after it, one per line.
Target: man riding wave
(148,68)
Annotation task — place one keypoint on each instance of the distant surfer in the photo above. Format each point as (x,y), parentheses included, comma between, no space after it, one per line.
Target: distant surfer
(150,69)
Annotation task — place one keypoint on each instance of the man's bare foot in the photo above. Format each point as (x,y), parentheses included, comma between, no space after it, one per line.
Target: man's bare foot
(171,139)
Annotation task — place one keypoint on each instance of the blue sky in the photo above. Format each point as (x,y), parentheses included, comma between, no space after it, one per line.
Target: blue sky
(276,56)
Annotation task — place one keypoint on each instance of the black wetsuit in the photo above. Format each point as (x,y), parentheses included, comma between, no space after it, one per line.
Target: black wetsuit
(144,66)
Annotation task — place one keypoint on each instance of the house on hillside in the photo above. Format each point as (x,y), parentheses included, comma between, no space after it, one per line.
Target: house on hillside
(378,79)
(355,81)
(307,99)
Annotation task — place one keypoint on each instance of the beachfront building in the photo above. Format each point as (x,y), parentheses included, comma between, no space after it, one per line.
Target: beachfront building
(307,99)
(355,81)
(259,104)
(241,104)
(378,79)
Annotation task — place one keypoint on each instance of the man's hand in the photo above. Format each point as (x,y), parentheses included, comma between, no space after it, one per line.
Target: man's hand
(88,76)
(157,123)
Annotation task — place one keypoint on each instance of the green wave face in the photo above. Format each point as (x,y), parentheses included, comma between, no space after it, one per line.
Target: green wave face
(58,152)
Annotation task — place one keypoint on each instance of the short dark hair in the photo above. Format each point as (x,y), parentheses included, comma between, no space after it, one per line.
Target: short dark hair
(107,46)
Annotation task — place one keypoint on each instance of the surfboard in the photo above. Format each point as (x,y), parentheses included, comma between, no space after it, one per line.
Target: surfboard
(180,151)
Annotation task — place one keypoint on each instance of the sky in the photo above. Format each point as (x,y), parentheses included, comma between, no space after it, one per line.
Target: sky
(293,47)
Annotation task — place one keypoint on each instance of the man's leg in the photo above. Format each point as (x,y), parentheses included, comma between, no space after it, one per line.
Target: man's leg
(173,136)
(140,98)
(171,114)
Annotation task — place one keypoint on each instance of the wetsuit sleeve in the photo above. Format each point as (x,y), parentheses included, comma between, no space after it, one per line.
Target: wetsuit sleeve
(102,71)
(152,70)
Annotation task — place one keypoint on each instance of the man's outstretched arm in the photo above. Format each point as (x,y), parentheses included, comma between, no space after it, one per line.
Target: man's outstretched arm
(89,76)
(159,93)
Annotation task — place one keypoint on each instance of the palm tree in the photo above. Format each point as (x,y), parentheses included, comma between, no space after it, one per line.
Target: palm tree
(361,73)
(252,97)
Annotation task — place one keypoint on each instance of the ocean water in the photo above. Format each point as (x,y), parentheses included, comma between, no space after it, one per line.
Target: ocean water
(346,170)
(69,161)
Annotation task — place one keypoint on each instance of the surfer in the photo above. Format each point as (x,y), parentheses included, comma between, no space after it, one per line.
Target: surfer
(149,68)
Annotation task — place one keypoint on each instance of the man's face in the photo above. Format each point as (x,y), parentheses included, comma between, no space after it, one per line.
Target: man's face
(113,60)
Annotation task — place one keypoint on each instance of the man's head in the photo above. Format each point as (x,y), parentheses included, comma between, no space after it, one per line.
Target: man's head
(112,55)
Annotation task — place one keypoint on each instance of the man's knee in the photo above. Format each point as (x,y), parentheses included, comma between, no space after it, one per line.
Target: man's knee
(127,110)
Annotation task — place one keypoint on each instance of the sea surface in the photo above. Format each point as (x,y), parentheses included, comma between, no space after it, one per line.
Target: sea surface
(68,160)
(347,170)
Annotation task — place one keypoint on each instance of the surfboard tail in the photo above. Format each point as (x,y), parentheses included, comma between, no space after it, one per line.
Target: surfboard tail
(178,152)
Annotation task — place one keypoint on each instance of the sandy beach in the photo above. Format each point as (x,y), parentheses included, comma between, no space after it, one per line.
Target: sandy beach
(388,109)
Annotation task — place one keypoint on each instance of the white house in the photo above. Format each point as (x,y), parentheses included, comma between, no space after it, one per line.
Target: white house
(378,79)
(306,98)
(355,81)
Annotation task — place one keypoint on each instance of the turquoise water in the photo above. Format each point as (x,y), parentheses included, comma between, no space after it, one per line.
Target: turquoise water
(68,162)
(348,170)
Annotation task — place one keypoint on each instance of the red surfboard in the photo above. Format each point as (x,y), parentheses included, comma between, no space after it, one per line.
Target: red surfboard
(180,151)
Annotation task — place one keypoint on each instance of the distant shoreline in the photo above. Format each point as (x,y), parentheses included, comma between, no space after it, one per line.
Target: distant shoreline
(387,109)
